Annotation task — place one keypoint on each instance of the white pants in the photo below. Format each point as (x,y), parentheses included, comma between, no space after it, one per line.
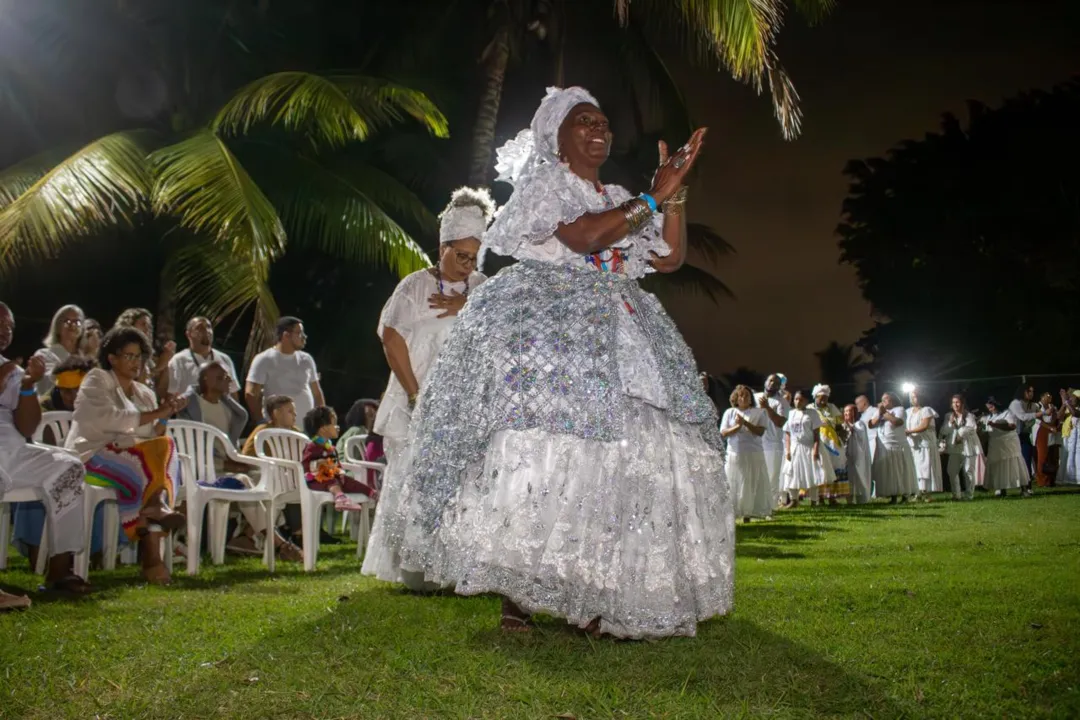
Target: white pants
(774,462)
(968,464)
(62,479)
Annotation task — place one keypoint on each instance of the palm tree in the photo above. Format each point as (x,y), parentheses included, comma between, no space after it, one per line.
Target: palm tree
(739,34)
(230,194)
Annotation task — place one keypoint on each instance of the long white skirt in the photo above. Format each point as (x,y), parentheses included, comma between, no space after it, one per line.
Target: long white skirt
(928,468)
(748,478)
(638,532)
(1005,466)
(774,464)
(801,472)
(893,471)
(383,556)
(62,479)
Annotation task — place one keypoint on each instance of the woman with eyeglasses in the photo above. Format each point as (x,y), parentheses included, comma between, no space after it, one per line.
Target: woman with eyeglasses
(119,434)
(61,343)
(413,327)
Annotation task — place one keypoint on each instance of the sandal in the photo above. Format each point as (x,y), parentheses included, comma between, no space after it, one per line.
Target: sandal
(514,619)
(13,602)
(342,503)
(71,585)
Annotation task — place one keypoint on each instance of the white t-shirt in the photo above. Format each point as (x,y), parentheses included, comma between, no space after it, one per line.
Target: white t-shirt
(773,439)
(289,375)
(184,369)
(892,436)
(744,441)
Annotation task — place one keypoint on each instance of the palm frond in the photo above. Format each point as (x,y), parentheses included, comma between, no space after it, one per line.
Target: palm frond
(202,183)
(344,209)
(687,281)
(212,281)
(741,35)
(814,11)
(101,185)
(332,111)
(707,242)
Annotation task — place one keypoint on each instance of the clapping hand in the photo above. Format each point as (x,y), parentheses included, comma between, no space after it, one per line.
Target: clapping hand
(671,173)
(35,369)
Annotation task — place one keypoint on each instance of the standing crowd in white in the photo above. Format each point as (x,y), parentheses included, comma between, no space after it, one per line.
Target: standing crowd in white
(783,448)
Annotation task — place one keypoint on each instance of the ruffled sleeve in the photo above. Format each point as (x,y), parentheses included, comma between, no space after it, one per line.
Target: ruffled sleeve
(401,310)
(552,195)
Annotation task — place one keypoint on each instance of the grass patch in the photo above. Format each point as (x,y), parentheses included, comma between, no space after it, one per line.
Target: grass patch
(939,610)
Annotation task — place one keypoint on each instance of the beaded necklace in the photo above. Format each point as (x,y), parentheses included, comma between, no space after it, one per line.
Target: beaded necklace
(442,289)
(611,259)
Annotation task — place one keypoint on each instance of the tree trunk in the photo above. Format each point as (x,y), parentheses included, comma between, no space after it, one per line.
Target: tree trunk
(497,60)
(165,322)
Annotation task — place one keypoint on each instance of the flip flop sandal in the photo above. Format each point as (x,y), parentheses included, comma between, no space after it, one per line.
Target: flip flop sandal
(72,585)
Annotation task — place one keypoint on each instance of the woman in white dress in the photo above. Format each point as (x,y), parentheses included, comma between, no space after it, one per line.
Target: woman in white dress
(803,470)
(922,436)
(858,456)
(893,470)
(1005,465)
(748,477)
(834,483)
(413,327)
(564,454)
(960,434)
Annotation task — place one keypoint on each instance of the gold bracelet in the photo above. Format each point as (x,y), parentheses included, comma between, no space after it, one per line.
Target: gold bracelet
(675,203)
(636,212)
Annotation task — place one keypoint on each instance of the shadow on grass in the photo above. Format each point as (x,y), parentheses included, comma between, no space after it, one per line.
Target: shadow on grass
(765,552)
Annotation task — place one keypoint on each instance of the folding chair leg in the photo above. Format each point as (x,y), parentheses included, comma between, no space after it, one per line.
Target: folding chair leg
(269,556)
(110,546)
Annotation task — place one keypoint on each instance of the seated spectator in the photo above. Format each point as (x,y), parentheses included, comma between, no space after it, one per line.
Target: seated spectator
(285,369)
(90,342)
(209,402)
(322,469)
(281,412)
(359,421)
(119,433)
(57,474)
(62,342)
(30,517)
(155,372)
(185,365)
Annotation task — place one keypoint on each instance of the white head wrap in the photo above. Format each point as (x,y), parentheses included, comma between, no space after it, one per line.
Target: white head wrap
(820,389)
(539,143)
(467,216)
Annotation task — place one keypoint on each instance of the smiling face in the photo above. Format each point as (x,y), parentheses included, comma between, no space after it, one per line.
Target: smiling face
(851,414)
(957,405)
(457,259)
(913,396)
(585,137)
(742,398)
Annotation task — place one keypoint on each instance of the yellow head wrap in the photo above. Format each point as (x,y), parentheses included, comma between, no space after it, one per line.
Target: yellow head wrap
(70,379)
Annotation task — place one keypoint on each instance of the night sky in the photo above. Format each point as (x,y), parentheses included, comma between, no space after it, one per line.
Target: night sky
(876,72)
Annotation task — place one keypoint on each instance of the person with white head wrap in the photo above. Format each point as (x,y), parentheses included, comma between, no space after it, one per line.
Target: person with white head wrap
(413,327)
(833,454)
(564,454)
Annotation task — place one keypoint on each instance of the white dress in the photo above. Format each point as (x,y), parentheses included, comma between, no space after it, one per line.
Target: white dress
(859,462)
(747,474)
(564,454)
(773,442)
(801,472)
(924,448)
(425,333)
(961,439)
(893,470)
(1005,466)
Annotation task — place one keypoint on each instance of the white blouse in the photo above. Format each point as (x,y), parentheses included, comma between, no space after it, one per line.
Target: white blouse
(424,332)
(802,426)
(891,436)
(961,435)
(744,441)
(915,418)
(525,227)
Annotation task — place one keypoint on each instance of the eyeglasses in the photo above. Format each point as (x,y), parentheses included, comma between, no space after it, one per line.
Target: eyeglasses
(130,357)
(465,258)
(73,322)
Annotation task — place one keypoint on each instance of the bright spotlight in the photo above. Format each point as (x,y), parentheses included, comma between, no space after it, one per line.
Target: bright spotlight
(907,387)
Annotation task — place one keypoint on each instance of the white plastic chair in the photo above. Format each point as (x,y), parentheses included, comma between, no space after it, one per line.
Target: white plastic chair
(59,423)
(289,486)
(355,447)
(196,443)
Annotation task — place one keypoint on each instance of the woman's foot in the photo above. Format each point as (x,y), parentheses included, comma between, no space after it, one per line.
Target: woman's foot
(70,585)
(514,619)
(13,602)
(342,503)
(244,545)
(288,551)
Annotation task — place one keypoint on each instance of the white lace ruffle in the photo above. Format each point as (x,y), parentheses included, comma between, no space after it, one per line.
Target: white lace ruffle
(552,195)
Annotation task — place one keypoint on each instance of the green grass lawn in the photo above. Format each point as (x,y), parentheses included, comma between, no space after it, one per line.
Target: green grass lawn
(939,610)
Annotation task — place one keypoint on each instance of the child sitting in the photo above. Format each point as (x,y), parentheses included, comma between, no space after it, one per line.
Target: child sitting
(322,470)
